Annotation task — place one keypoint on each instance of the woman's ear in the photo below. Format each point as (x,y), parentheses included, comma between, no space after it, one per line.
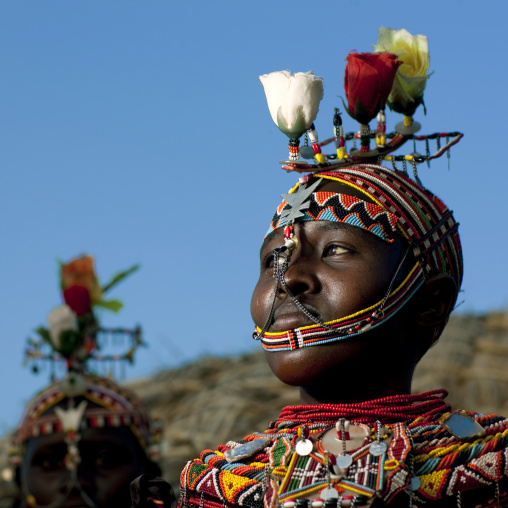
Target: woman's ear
(435,301)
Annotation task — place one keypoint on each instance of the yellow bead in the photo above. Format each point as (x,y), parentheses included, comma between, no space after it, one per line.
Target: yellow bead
(408,157)
(320,157)
(341,153)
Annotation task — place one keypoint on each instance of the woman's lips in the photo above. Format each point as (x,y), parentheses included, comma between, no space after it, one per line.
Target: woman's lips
(288,317)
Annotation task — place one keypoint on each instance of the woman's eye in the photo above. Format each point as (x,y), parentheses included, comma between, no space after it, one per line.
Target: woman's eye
(112,457)
(106,460)
(268,263)
(334,250)
(49,462)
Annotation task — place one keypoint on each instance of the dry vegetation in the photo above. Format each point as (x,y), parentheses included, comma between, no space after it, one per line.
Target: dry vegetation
(213,400)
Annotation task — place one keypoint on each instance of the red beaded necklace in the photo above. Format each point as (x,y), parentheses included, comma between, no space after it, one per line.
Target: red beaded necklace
(391,409)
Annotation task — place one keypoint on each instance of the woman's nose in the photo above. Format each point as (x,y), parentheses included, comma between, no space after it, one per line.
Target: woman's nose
(300,277)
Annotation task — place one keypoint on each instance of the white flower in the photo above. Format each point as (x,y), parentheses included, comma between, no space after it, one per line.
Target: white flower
(61,319)
(411,77)
(293,100)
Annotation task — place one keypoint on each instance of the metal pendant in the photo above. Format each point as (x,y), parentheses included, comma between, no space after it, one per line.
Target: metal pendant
(307,152)
(414,483)
(246,450)
(344,461)
(377,448)
(461,425)
(329,493)
(304,447)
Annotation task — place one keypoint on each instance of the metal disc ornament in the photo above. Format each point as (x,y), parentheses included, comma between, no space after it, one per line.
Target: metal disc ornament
(344,461)
(329,493)
(411,129)
(414,483)
(304,447)
(295,163)
(307,152)
(377,449)
(246,450)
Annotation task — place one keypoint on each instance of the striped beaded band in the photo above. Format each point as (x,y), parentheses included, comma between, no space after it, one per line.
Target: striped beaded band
(112,406)
(349,326)
(419,216)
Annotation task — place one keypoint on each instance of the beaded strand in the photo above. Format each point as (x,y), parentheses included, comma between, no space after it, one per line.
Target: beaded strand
(391,409)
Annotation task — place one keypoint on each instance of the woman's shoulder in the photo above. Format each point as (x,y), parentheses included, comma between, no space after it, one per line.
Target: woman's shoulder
(460,453)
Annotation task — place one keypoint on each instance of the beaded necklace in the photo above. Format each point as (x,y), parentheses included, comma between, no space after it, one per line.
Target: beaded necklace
(391,409)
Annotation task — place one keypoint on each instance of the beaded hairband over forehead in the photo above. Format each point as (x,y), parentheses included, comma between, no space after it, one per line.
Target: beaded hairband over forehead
(428,226)
(334,207)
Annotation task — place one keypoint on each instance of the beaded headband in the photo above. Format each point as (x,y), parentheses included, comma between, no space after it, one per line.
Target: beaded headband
(334,207)
(399,204)
(108,405)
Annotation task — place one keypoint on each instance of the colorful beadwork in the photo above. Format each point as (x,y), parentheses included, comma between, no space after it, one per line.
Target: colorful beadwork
(421,453)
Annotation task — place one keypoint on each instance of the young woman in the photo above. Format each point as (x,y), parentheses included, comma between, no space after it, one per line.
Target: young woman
(359,272)
(83,438)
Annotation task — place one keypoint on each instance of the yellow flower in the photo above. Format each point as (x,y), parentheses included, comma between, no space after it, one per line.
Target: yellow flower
(411,78)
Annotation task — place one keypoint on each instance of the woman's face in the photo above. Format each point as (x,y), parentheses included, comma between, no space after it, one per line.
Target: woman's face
(110,459)
(336,270)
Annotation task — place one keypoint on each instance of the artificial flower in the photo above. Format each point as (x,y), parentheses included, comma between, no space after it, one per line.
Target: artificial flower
(293,100)
(368,81)
(61,319)
(78,299)
(80,272)
(411,78)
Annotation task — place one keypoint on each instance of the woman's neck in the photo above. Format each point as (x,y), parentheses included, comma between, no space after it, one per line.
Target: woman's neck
(352,391)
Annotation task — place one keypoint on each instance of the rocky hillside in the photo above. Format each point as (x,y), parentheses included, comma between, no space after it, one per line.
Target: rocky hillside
(213,400)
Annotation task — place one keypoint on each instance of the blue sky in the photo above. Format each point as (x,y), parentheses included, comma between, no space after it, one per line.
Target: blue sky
(138,131)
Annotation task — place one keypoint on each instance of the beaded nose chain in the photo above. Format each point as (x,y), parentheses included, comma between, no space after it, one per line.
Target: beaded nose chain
(281,259)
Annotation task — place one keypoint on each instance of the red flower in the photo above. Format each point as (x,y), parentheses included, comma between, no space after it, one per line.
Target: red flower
(78,299)
(368,82)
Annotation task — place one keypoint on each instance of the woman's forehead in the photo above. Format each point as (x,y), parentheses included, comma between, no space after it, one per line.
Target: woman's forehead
(119,436)
(322,227)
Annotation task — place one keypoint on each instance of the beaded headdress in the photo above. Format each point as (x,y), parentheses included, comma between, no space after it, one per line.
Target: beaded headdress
(394,202)
(81,399)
